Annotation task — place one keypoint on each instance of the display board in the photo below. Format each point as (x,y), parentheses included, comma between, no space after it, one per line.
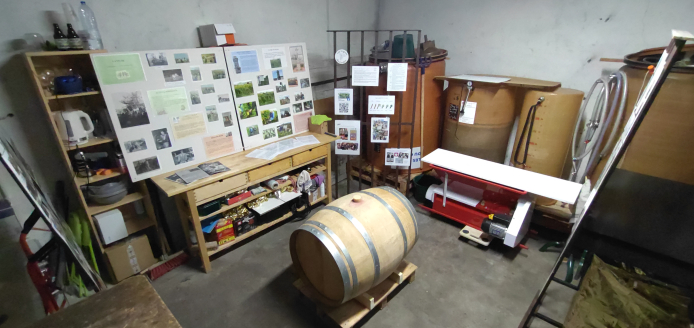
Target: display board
(271,90)
(170,108)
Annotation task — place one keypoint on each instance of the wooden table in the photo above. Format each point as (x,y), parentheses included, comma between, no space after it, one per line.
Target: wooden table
(131,303)
(244,172)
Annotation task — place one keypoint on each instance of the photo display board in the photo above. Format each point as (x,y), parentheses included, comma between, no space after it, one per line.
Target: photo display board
(271,89)
(170,108)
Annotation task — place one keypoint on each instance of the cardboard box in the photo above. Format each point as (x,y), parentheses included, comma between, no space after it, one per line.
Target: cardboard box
(317,128)
(214,35)
(130,257)
(111,226)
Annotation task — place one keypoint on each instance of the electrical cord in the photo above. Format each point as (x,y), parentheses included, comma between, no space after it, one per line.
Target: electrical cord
(529,120)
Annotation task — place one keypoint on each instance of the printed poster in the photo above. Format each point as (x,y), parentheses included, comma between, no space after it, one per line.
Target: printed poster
(274,57)
(301,122)
(398,157)
(120,68)
(380,129)
(397,77)
(244,61)
(348,132)
(188,125)
(382,105)
(219,145)
(416,158)
(344,101)
(168,101)
(365,76)
(467,114)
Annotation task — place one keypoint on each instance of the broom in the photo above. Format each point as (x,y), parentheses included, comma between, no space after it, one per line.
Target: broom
(167,266)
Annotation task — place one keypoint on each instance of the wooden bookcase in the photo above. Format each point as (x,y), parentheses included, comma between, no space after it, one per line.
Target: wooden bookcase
(91,102)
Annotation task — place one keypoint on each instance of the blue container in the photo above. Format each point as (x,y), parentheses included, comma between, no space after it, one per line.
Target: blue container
(65,85)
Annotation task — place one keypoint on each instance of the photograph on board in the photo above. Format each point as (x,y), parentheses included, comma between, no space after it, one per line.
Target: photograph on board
(293,82)
(181,58)
(296,53)
(212,115)
(269,116)
(252,130)
(299,96)
(284,130)
(207,88)
(280,87)
(269,133)
(213,168)
(195,98)
(172,75)
(161,138)
(184,155)
(156,59)
(226,117)
(277,75)
(266,97)
(284,100)
(130,109)
(284,112)
(218,74)
(297,108)
(135,145)
(209,59)
(243,89)
(245,61)
(308,105)
(195,74)
(263,80)
(305,83)
(223,98)
(380,127)
(145,165)
(248,110)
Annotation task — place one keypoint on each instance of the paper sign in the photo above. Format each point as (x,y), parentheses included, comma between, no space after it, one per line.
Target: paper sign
(467,114)
(365,76)
(116,69)
(168,101)
(218,145)
(274,58)
(348,132)
(188,125)
(397,77)
(244,61)
(398,156)
(380,129)
(416,158)
(344,101)
(382,105)
(301,122)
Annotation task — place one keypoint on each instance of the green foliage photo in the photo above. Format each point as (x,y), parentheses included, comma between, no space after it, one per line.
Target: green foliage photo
(266,98)
(243,89)
(248,110)
(269,116)
(274,63)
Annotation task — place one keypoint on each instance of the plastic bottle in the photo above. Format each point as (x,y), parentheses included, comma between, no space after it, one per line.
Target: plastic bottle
(91,38)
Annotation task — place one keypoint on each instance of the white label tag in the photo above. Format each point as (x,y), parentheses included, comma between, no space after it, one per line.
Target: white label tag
(467,114)
(133,259)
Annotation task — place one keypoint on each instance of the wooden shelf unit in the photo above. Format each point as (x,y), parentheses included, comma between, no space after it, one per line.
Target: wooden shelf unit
(80,61)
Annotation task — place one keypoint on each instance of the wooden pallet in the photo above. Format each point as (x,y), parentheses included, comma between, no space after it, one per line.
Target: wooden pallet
(349,314)
(390,179)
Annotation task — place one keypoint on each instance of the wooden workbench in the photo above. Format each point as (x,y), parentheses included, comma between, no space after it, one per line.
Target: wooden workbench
(131,303)
(244,172)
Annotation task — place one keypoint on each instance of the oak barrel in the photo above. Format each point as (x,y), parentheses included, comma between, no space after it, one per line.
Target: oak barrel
(353,243)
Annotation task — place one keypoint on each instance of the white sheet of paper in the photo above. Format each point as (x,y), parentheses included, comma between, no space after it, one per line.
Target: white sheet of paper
(380,129)
(188,125)
(308,140)
(416,158)
(348,131)
(382,105)
(365,76)
(274,58)
(344,101)
(397,77)
(468,113)
(398,156)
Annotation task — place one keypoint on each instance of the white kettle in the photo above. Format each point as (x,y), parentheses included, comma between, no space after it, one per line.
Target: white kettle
(74,126)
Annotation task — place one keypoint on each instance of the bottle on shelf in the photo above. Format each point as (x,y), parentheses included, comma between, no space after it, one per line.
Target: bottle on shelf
(91,38)
(73,39)
(60,39)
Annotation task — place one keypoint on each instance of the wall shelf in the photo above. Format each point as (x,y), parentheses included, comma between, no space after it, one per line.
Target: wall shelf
(129,198)
(73,95)
(95,178)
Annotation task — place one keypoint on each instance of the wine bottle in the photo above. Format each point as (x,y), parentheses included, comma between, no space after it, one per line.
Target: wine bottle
(61,41)
(73,39)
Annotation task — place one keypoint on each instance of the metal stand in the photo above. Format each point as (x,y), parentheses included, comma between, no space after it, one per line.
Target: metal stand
(642,106)
(361,113)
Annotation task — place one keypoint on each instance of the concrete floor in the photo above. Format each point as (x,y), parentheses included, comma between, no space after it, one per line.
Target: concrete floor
(457,285)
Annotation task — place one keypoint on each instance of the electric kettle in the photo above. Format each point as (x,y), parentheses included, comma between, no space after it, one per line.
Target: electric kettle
(74,126)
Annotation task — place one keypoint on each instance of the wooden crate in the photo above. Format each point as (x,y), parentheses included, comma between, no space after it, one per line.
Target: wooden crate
(379,180)
(349,314)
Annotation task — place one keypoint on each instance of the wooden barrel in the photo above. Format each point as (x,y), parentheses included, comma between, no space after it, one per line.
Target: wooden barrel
(487,137)
(551,134)
(353,243)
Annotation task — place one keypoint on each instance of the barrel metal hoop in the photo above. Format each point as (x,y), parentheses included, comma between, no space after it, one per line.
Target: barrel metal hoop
(336,256)
(408,205)
(342,247)
(395,215)
(365,235)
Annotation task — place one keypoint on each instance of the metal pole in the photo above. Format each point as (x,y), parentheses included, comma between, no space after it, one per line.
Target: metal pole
(402,100)
(361,112)
(373,169)
(386,169)
(348,165)
(334,164)
(414,110)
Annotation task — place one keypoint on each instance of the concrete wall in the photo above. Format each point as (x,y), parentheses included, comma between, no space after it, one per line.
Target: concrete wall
(154,24)
(553,40)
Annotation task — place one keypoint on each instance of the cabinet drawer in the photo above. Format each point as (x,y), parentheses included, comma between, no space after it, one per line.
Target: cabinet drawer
(219,188)
(269,169)
(310,155)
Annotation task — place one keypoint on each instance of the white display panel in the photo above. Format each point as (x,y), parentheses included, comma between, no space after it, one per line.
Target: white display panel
(173,112)
(271,90)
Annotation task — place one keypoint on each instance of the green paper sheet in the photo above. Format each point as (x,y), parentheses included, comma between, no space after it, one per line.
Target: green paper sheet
(117,69)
